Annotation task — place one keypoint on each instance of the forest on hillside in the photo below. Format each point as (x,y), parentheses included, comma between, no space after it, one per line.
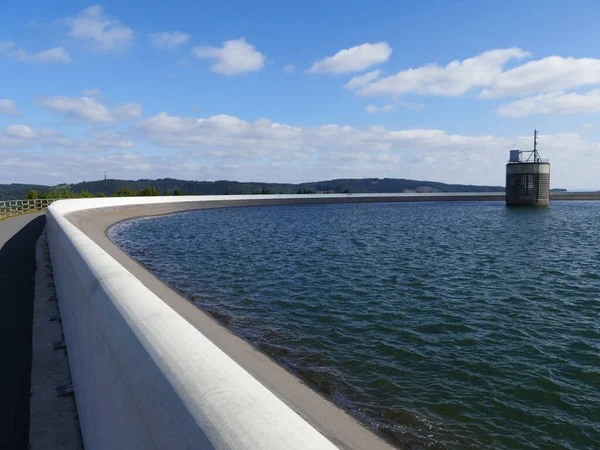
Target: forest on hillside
(171,186)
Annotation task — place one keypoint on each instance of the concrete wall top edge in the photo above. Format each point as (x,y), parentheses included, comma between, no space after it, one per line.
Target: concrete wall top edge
(72,205)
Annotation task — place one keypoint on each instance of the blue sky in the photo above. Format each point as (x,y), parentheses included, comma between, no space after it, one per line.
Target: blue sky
(303,91)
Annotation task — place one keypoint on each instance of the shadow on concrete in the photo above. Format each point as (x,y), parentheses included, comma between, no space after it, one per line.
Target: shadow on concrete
(17,276)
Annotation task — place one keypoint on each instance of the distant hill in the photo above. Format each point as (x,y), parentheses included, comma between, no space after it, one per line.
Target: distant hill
(17,191)
(171,185)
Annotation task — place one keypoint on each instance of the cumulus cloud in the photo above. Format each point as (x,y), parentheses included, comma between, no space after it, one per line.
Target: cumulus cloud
(20,137)
(110,139)
(127,111)
(83,109)
(377,109)
(19,132)
(169,39)
(8,107)
(553,73)
(227,147)
(553,103)
(550,77)
(223,132)
(16,137)
(100,31)
(359,81)
(354,59)
(371,109)
(49,56)
(233,58)
(90,110)
(290,68)
(452,80)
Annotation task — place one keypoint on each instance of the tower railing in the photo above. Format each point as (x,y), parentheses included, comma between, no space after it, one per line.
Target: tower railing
(542,160)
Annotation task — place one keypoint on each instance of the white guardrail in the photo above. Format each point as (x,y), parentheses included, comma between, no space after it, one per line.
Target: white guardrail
(144,378)
(10,208)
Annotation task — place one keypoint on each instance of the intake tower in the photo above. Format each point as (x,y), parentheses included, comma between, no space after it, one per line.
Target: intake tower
(527,178)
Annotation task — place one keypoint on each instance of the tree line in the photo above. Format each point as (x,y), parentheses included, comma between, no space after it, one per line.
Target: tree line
(149,191)
(171,186)
(63,193)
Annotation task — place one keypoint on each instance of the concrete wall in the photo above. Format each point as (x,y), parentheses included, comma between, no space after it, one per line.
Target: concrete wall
(144,378)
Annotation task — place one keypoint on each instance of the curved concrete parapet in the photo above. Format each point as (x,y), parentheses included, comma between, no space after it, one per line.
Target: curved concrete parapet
(143,376)
(147,378)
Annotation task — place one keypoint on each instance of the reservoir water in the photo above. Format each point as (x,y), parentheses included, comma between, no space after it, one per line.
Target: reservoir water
(441,325)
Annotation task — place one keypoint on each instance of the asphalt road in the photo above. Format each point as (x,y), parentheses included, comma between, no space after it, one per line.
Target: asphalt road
(18,237)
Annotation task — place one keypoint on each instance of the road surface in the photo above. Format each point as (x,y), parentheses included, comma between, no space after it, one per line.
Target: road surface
(18,237)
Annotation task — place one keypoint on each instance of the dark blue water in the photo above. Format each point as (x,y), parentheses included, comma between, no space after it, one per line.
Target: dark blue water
(442,325)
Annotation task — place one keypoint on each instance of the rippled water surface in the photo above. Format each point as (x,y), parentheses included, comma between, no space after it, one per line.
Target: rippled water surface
(443,325)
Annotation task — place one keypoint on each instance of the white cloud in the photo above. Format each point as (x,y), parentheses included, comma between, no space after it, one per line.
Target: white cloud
(23,137)
(290,68)
(377,109)
(92,92)
(15,138)
(362,80)
(553,103)
(6,45)
(553,73)
(454,79)
(83,109)
(19,164)
(103,33)
(221,130)
(8,107)
(90,110)
(127,111)
(353,59)
(224,131)
(234,57)
(110,139)
(169,39)
(18,137)
(410,105)
(226,147)
(371,109)
(332,151)
(49,56)
(19,132)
